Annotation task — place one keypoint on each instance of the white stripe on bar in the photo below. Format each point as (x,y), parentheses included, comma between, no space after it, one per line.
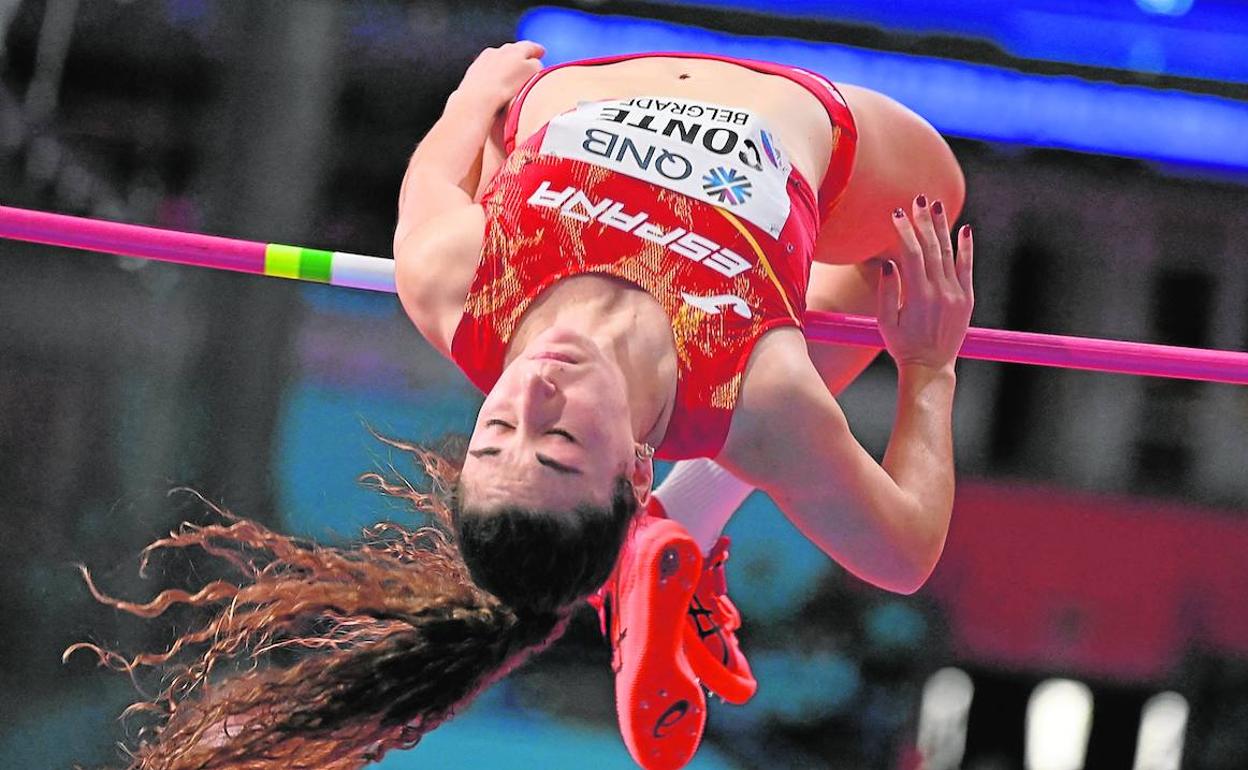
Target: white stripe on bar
(357,271)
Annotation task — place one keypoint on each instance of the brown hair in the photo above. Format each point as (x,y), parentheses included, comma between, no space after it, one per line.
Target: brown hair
(346,653)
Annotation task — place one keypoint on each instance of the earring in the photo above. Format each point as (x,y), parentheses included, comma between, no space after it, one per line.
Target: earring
(645,452)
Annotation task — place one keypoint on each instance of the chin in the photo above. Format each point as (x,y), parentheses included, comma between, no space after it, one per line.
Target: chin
(556,335)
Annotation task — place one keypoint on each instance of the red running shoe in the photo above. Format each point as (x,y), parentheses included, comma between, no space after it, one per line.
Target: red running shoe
(643,606)
(711,633)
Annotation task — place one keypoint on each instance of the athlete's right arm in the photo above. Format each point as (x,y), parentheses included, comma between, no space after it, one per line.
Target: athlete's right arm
(437,238)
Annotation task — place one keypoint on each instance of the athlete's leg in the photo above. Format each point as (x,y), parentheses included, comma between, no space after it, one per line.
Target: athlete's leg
(701,495)
(843,289)
(898,155)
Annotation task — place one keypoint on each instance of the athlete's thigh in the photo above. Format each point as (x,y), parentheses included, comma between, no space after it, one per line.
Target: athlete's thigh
(898,156)
(842,289)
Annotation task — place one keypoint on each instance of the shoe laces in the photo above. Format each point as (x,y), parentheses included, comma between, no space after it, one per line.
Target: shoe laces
(713,588)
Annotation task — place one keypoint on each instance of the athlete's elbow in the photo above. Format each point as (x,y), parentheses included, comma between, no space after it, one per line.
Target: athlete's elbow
(907,575)
(417,293)
(407,278)
(918,558)
(916,575)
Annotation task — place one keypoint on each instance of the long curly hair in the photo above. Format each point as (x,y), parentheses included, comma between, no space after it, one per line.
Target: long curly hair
(321,657)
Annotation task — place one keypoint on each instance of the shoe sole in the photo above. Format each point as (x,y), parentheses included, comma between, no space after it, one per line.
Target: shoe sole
(661,717)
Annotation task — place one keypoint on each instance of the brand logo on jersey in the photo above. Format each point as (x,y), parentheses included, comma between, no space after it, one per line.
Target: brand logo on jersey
(574,204)
(727,185)
(715,304)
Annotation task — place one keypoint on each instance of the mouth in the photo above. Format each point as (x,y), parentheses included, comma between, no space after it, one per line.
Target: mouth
(551,355)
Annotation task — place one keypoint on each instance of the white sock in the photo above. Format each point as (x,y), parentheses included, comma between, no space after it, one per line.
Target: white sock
(702,496)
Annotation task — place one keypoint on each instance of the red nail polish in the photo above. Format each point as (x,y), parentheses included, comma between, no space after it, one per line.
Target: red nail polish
(921,201)
(966,231)
(899,213)
(938,207)
(888,267)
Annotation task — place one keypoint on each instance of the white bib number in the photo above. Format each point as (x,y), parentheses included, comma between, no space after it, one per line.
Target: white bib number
(723,156)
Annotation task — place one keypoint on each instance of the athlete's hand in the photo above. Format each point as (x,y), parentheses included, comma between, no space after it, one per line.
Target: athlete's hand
(498,73)
(926,295)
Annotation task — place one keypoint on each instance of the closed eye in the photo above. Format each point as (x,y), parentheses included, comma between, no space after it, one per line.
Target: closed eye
(554,431)
(541,459)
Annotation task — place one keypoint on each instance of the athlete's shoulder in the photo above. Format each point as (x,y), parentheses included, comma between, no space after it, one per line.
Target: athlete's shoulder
(778,370)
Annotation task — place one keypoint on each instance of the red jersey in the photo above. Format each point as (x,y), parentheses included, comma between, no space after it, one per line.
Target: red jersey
(694,203)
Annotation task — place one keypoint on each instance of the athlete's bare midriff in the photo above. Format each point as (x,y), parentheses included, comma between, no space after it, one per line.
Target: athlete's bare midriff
(791,111)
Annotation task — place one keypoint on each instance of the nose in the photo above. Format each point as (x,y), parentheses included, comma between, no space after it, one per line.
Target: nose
(541,399)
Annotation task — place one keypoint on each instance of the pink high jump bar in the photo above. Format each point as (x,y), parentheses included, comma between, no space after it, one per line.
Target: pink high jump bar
(131,240)
(1064,352)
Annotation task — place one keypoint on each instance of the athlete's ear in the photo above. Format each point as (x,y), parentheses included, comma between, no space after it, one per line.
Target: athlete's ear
(641,475)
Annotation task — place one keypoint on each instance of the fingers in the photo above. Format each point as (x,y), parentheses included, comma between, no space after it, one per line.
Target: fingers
(911,258)
(889,304)
(941,225)
(927,237)
(499,72)
(530,54)
(926,243)
(966,261)
(523,47)
(529,49)
(925,304)
(523,50)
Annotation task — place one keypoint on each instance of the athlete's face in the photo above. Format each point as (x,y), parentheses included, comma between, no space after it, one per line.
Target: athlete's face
(554,432)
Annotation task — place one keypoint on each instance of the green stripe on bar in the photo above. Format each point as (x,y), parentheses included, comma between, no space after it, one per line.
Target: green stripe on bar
(295,262)
(314,265)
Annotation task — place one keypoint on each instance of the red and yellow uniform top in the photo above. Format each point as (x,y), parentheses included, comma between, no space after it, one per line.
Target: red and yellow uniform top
(694,203)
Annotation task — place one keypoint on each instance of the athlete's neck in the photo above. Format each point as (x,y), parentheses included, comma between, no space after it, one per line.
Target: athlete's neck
(628,326)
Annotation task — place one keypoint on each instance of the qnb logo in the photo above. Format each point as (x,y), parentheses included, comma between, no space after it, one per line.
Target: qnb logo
(668,164)
(727,185)
(574,204)
(670,718)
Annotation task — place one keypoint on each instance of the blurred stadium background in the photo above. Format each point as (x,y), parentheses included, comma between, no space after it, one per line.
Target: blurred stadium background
(1090,610)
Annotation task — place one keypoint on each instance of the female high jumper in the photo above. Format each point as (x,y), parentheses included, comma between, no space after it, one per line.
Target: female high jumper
(619,253)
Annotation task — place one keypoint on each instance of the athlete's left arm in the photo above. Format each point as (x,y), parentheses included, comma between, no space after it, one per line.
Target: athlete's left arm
(899,156)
